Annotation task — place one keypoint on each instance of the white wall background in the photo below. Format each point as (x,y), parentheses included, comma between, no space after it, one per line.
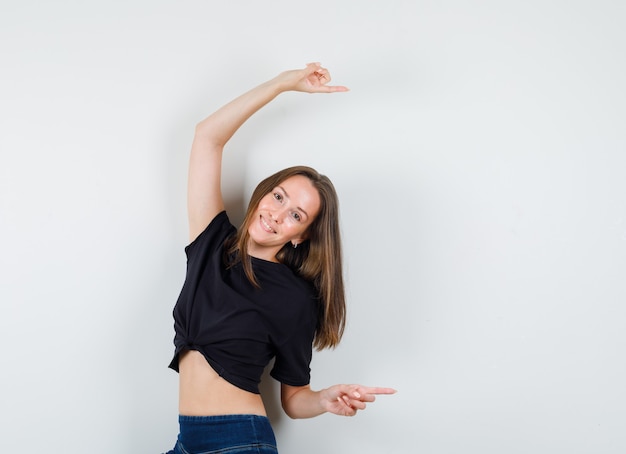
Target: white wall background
(480,159)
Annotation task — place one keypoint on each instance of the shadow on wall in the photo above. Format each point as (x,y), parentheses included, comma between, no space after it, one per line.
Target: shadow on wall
(270,392)
(235,207)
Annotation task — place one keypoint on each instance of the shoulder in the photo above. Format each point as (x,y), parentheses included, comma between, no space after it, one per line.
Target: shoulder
(214,235)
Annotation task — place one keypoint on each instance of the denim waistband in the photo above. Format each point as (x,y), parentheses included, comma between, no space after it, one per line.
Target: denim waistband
(226,433)
(184,419)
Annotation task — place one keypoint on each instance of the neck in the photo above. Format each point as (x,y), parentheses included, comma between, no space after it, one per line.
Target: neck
(263,253)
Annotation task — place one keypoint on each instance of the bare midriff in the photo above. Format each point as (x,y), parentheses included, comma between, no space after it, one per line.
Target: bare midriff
(202,392)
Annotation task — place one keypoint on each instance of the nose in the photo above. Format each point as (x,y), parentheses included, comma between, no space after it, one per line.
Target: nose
(277,216)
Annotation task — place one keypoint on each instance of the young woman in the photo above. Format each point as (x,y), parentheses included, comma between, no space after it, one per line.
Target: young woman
(272,289)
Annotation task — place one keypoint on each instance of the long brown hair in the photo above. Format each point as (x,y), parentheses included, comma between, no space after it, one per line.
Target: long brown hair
(318,259)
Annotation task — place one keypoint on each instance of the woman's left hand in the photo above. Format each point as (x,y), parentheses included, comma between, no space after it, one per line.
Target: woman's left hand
(312,79)
(346,400)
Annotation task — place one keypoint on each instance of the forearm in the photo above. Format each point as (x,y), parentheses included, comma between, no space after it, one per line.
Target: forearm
(344,400)
(305,403)
(219,127)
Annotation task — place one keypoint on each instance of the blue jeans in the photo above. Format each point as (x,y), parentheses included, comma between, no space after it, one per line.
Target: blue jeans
(227,434)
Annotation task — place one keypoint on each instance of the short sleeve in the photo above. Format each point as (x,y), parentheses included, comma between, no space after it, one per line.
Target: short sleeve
(212,237)
(293,358)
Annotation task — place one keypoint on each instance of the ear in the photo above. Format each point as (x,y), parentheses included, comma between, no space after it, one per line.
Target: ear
(295,242)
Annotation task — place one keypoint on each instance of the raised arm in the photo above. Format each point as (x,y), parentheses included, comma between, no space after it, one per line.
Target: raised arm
(204,195)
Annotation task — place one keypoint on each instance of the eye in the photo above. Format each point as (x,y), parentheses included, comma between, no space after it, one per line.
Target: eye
(297,217)
(278,196)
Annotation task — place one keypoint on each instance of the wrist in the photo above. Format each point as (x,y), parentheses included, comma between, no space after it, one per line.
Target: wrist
(324,399)
(278,85)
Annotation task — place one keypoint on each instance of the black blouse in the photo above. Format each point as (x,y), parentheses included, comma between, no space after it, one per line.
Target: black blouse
(237,327)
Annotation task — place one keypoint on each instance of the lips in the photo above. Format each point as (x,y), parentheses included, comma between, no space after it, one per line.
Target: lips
(266,226)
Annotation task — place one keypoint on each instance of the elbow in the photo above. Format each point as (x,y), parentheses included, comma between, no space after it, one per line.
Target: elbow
(299,402)
(293,415)
(203,127)
(289,410)
(209,133)
(297,410)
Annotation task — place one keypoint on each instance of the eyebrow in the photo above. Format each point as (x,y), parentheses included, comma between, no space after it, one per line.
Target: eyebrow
(287,195)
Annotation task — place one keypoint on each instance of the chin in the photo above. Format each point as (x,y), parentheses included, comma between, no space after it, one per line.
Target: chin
(260,236)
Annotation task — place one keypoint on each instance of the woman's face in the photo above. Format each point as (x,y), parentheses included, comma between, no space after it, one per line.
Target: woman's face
(283,216)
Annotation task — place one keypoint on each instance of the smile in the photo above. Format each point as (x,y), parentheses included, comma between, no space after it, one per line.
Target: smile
(266,226)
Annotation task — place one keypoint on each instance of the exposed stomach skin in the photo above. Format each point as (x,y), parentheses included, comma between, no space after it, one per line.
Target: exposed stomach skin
(202,392)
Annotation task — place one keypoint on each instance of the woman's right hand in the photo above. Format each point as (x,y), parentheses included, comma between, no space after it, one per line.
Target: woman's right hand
(312,79)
